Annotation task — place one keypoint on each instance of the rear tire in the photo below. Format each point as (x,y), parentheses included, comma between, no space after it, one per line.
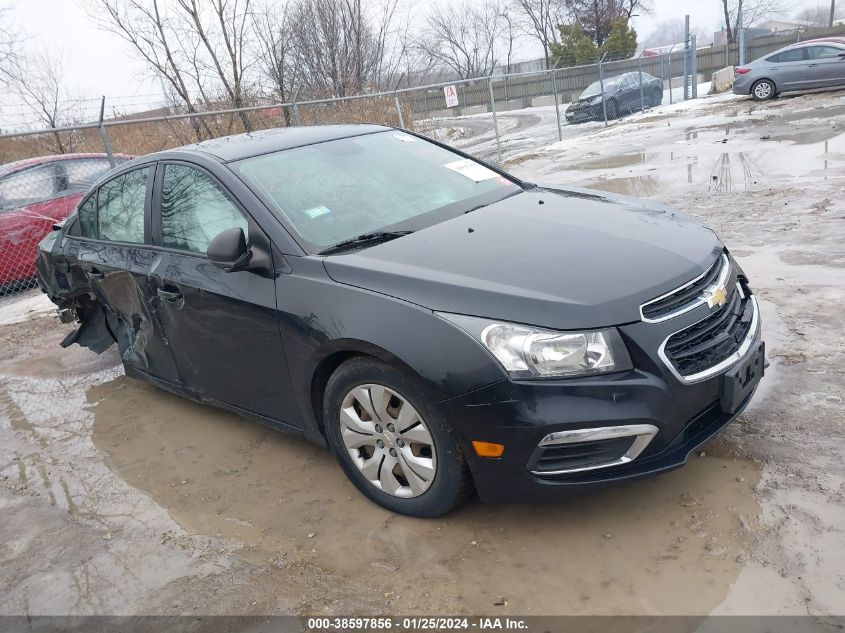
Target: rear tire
(396,428)
(763,90)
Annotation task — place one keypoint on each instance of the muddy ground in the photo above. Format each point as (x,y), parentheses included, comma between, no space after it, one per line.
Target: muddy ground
(118,498)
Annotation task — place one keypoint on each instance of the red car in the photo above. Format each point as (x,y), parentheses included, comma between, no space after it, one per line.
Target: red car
(35,193)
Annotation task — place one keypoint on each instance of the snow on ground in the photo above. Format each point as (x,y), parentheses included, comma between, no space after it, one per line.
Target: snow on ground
(25,306)
(527,129)
(769,178)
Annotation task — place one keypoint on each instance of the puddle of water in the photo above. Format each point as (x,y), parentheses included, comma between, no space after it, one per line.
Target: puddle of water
(635,549)
(613,162)
(109,554)
(710,159)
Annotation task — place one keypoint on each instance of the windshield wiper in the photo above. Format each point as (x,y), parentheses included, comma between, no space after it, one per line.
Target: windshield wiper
(364,240)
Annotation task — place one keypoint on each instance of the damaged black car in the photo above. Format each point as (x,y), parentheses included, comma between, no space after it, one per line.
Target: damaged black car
(441,325)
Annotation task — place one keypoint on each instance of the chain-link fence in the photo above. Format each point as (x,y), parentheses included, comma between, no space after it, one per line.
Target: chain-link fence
(494,118)
(34,194)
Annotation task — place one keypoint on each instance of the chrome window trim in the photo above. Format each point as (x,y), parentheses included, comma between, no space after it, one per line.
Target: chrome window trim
(644,433)
(724,273)
(753,335)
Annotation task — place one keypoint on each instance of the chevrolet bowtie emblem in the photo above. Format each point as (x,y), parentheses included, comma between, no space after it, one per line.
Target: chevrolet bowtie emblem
(717,297)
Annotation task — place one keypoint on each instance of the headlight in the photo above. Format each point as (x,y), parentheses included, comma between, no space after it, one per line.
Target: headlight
(595,100)
(530,352)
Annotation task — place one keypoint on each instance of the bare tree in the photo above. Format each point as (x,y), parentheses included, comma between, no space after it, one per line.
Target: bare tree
(145,26)
(745,13)
(342,47)
(9,41)
(540,19)
(38,82)
(222,28)
(277,60)
(465,37)
(596,17)
(671,31)
(821,15)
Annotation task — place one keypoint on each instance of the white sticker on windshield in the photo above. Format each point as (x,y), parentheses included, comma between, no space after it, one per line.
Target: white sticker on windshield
(316,212)
(471,169)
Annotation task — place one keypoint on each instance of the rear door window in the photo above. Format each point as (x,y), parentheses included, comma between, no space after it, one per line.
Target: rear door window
(87,215)
(120,207)
(194,209)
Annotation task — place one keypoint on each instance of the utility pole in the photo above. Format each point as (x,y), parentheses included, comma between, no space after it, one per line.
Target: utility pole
(832,11)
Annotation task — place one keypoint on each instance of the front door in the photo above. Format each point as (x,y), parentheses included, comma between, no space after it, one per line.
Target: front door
(223,325)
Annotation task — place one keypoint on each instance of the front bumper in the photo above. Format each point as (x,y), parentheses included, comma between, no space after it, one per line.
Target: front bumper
(582,113)
(679,416)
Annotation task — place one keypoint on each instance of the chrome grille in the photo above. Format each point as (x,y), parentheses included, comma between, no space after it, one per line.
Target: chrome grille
(715,342)
(689,296)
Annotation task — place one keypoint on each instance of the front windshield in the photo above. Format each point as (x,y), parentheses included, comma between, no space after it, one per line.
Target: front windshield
(594,89)
(338,190)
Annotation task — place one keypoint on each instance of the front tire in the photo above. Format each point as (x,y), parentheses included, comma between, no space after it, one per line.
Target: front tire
(391,443)
(612,110)
(763,90)
(656,98)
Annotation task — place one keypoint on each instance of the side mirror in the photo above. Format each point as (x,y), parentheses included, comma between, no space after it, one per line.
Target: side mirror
(842,55)
(228,250)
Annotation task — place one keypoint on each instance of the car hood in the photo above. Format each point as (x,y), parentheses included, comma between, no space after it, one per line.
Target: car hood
(562,259)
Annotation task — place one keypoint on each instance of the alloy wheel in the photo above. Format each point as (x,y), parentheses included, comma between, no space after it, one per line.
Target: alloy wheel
(763,90)
(388,440)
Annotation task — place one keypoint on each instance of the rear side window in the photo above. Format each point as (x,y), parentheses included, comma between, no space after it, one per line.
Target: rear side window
(793,55)
(80,174)
(824,52)
(194,209)
(87,215)
(120,207)
(30,186)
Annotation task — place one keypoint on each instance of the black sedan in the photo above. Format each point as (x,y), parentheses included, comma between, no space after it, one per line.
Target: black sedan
(622,95)
(438,323)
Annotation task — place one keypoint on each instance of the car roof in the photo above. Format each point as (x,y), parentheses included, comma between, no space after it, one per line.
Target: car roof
(18,165)
(840,41)
(248,144)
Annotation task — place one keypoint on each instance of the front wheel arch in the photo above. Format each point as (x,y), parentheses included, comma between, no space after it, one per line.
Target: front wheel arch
(345,350)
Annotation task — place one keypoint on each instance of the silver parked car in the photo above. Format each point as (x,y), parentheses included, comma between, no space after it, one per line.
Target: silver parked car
(816,63)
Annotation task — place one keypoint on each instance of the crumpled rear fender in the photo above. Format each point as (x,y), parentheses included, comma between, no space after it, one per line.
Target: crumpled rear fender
(67,286)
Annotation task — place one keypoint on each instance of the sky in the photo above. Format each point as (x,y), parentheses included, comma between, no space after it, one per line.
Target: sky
(100,63)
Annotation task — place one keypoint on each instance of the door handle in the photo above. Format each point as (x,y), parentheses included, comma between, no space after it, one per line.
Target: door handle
(167,295)
(95,274)
(812,65)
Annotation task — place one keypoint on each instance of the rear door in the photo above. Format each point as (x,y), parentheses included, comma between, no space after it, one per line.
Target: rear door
(116,255)
(825,67)
(789,69)
(223,325)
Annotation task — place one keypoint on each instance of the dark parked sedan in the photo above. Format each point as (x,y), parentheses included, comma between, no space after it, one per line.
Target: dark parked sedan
(439,324)
(812,64)
(622,95)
